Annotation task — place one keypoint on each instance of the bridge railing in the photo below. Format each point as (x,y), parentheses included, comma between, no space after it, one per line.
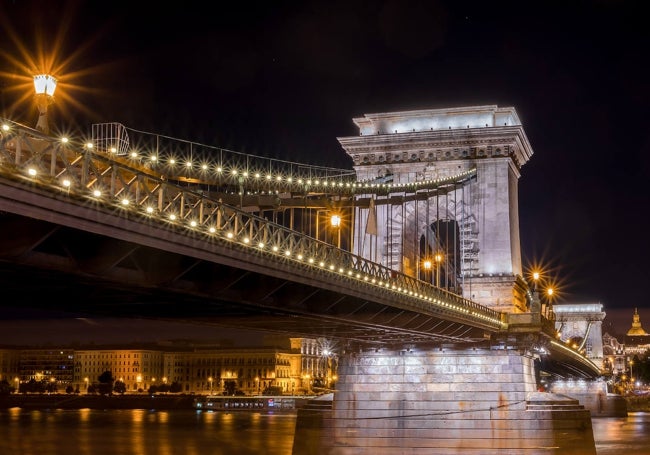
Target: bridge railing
(84,174)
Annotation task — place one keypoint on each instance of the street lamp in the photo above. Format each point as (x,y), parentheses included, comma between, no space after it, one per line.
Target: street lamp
(44,86)
(335,222)
(257,380)
(535,280)
(427,269)
(210,381)
(438,259)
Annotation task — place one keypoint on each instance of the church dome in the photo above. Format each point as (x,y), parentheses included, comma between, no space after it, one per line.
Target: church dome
(636,328)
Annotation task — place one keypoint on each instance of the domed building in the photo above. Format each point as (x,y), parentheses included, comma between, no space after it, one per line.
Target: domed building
(637,340)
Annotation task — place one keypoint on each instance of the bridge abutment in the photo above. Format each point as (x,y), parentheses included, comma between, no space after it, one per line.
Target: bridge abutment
(444,401)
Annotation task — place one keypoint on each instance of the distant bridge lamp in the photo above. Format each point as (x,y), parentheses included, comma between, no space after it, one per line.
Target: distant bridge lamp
(438,260)
(427,265)
(335,222)
(44,86)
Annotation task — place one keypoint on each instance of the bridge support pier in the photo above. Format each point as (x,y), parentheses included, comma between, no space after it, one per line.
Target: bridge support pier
(593,395)
(443,401)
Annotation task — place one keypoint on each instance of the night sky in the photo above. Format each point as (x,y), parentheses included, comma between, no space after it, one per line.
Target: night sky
(285,79)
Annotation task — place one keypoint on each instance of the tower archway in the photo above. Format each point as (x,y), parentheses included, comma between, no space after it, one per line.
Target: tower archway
(458,168)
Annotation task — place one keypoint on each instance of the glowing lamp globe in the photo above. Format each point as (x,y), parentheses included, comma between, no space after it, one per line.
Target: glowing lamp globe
(44,86)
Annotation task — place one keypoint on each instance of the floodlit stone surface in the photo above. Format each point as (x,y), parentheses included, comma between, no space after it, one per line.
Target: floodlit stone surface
(435,402)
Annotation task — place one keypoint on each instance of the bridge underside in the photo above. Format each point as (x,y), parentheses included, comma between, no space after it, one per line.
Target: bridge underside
(52,267)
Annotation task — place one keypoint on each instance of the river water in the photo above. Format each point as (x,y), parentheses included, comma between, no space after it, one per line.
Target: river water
(142,432)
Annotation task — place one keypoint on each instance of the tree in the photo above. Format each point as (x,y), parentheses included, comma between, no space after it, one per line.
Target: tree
(229,387)
(51,387)
(5,388)
(106,382)
(119,387)
(175,387)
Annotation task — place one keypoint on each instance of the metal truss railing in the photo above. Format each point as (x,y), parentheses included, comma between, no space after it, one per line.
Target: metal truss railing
(115,182)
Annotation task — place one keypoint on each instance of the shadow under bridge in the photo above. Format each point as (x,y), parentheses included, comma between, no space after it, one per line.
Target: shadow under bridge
(70,253)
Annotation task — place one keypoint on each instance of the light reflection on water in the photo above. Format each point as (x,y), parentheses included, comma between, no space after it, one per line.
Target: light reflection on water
(142,432)
(622,435)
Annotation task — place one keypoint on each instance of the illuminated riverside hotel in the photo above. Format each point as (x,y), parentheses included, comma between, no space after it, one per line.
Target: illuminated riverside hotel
(296,367)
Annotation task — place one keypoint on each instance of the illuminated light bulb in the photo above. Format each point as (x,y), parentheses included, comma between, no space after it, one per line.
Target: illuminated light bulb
(193,223)
(31,171)
(149,209)
(97,193)
(125,201)
(212,230)
(66,183)
(172,217)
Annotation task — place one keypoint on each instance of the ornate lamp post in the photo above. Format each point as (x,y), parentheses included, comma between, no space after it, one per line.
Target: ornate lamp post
(427,270)
(335,222)
(438,260)
(44,86)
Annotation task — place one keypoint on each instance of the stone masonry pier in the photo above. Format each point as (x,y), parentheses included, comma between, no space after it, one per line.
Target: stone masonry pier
(443,401)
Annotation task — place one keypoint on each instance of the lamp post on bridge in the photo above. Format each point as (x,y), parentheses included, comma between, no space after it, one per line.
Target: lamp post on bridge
(438,259)
(427,270)
(44,86)
(335,222)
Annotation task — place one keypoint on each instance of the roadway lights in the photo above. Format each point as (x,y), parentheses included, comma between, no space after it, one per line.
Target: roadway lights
(44,86)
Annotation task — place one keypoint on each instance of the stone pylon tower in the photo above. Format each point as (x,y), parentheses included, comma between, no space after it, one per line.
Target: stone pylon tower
(473,221)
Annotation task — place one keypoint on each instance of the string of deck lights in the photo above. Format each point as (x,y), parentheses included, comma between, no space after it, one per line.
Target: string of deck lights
(223,170)
(124,202)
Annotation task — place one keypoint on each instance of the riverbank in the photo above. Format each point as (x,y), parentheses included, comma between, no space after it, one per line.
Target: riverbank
(146,401)
(65,401)
(638,403)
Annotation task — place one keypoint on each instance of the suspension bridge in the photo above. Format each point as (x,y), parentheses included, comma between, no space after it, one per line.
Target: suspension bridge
(423,262)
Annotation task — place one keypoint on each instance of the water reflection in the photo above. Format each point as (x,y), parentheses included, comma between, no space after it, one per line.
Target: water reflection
(617,435)
(145,432)
(140,432)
